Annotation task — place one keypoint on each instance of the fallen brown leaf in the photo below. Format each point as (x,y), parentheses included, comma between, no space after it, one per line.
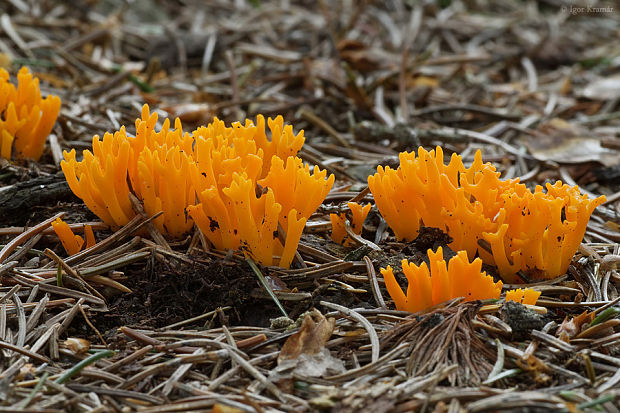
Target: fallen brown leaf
(310,339)
(571,328)
(568,143)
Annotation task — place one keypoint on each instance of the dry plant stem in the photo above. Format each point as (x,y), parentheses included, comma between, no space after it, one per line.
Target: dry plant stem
(24,249)
(21,321)
(230,60)
(498,113)
(265,285)
(51,254)
(374,284)
(361,195)
(11,309)
(132,226)
(20,239)
(233,371)
(459,134)
(69,318)
(499,364)
(314,253)
(78,367)
(358,239)
(372,334)
(311,117)
(91,325)
(112,265)
(136,335)
(346,196)
(116,393)
(411,33)
(37,311)
(244,364)
(312,158)
(35,390)
(33,294)
(21,350)
(197,318)
(609,304)
(386,358)
(10,293)
(570,181)
(169,253)
(320,271)
(150,227)
(110,255)
(5,268)
(58,290)
(552,341)
(178,374)
(101,280)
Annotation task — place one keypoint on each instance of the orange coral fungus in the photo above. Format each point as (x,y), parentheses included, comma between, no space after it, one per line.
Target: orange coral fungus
(89,235)
(157,164)
(221,166)
(233,214)
(523,296)
(229,163)
(158,169)
(71,243)
(100,178)
(426,288)
(339,232)
(539,232)
(299,193)
(250,139)
(534,232)
(26,118)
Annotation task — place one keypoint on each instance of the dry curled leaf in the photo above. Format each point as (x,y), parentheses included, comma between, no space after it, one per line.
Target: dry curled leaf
(571,328)
(568,143)
(310,339)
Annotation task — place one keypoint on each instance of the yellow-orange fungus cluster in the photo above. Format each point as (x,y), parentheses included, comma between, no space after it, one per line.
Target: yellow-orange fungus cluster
(527,296)
(441,282)
(73,243)
(26,119)
(234,212)
(359,214)
(245,184)
(536,232)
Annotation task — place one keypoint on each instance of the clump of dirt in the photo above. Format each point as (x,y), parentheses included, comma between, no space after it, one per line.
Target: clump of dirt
(521,319)
(166,293)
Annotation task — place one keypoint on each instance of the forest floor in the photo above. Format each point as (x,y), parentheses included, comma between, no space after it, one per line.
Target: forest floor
(179,327)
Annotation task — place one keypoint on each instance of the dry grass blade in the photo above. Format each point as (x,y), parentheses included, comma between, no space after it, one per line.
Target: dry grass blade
(372,334)
(20,239)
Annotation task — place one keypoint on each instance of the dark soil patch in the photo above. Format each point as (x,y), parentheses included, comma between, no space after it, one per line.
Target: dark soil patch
(166,293)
